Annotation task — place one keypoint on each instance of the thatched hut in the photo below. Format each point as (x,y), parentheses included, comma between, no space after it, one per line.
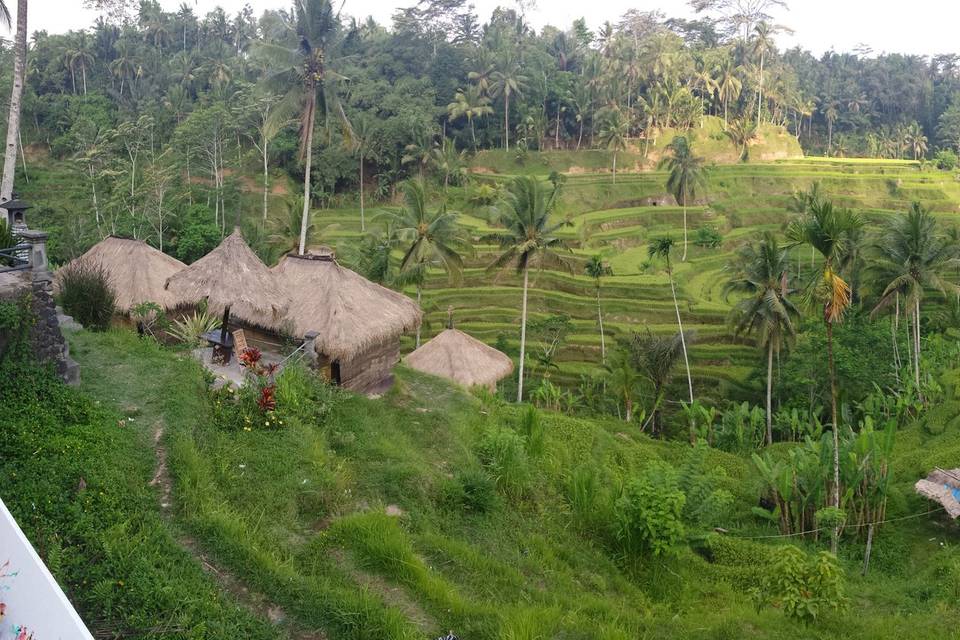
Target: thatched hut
(944,487)
(459,357)
(357,323)
(138,273)
(235,283)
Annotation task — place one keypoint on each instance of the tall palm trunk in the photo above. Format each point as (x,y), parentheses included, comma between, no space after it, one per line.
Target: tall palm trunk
(13,121)
(894,323)
(683,340)
(506,120)
(770,393)
(419,299)
(760,92)
(614,167)
(603,344)
(836,433)
(523,332)
(683,198)
(916,345)
(266,176)
(363,222)
(305,220)
(473,134)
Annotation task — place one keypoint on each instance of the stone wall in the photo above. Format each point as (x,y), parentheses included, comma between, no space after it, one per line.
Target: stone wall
(46,339)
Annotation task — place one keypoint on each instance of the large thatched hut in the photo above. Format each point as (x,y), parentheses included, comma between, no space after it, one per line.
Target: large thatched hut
(137,272)
(459,357)
(357,323)
(234,283)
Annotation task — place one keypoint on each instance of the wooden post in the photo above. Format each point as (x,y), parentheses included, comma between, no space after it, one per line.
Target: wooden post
(866,555)
(223,325)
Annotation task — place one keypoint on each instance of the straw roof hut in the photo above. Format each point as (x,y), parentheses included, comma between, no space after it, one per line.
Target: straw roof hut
(232,277)
(459,357)
(357,323)
(137,271)
(944,487)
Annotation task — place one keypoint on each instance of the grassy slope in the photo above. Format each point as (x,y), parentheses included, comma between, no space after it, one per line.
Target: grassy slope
(299,514)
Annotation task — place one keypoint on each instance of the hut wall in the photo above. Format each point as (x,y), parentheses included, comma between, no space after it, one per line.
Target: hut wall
(372,370)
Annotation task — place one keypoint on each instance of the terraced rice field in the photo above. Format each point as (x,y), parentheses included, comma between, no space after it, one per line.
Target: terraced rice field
(617,221)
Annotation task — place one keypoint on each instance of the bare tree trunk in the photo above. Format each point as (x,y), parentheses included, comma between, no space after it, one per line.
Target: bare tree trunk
(614,167)
(683,258)
(506,120)
(770,393)
(266,177)
(836,434)
(419,299)
(916,346)
(760,92)
(83,73)
(363,223)
(580,135)
(894,321)
(523,333)
(13,120)
(603,344)
(305,220)
(683,340)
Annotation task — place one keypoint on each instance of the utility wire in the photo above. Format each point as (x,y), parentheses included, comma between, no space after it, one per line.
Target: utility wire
(852,526)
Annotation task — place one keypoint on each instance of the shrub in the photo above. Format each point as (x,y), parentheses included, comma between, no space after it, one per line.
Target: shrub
(946,160)
(585,495)
(803,587)
(503,453)
(86,294)
(648,516)
(533,431)
(471,490)
(708,237)
(198,234)
(188,329)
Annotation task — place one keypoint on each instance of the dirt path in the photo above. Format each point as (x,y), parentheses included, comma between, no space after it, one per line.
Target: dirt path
(253,601)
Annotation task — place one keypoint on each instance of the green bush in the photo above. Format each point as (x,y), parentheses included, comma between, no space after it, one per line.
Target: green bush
(198,234)
(946,160)
(503,452)
(533,431)
(648,516)
(471,490)
(802,587)
(86,294)
(707,237)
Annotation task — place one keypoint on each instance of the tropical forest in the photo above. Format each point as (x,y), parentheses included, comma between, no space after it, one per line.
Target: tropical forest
(466,325)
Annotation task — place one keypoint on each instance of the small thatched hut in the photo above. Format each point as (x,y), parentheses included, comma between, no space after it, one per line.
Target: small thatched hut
(357,323)
(944,487)
(137,271)
(456,356)
(235,283)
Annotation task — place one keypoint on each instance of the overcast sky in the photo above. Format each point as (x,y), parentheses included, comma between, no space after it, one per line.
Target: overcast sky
(924,27)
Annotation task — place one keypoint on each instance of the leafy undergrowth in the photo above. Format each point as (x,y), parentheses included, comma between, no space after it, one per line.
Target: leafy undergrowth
(430,510)
(75,474)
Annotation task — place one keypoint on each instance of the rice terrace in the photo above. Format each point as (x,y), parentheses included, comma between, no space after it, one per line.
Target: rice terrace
(479,323)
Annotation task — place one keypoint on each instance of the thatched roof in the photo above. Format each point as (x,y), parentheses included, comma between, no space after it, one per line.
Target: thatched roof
(349,312)
(137,271)
(462,358)
(232,274)
(944,487)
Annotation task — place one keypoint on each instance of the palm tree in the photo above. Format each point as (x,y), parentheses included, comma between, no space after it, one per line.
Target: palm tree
(655,357)
(81,56)
(365,147)
(760,272)
(449,162)
(303,73)
(432,238)
(123,66)
(829,231)
(528,239)
(686,178)
(506,81)
(741,131)
(613,136)
(661,248)
(469,104)
(911,257)
(728,83)
(762,43)
(597,268)
(623,380)
(916,140)
(16,92)
(284,231)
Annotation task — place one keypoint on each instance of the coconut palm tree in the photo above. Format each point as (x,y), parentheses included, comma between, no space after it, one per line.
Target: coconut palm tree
(506,81)
(527,240)
(623,381)
(431,238)
(124,66)
(16,92)
(597,268)
(364,145)
(911,257)
(829,231)
(661,248)
(655,357)
(81,56)
(304,77)
(741,131)
(613,135)
(762,43)
(760,272)
(916,140)
(469,104)
(686,178)
(728,83)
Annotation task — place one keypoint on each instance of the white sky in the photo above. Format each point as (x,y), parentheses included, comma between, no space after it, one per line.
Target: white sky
(924,27)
